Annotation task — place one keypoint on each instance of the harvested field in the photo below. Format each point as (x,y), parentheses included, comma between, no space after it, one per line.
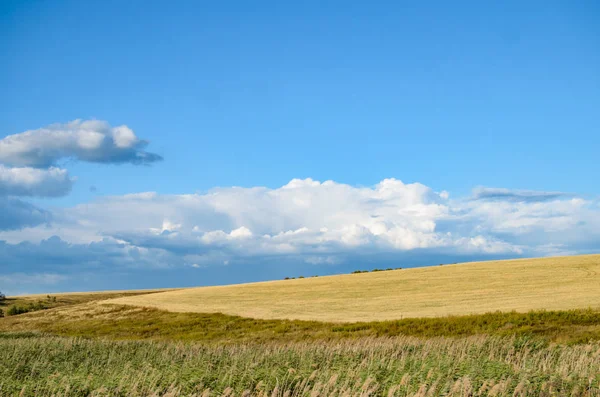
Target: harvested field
(558,283)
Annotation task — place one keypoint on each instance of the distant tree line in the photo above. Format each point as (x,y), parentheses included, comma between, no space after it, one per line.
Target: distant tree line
(375,270)
(354,272)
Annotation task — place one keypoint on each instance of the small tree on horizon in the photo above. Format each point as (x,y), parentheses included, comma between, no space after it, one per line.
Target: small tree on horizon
(2,296)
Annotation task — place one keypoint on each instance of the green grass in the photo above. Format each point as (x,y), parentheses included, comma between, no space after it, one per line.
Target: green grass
(127,322)
(38,365)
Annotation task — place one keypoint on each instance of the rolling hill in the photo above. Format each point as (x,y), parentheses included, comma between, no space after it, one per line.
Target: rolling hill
(521,285)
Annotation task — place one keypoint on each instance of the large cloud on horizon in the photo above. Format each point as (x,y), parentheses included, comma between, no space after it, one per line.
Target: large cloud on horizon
(94,141)
(320,223)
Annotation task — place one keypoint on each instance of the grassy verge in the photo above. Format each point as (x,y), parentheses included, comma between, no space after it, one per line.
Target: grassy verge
(128,322)
(37,365)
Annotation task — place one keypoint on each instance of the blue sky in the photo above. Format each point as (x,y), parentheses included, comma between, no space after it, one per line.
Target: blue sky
(491,108)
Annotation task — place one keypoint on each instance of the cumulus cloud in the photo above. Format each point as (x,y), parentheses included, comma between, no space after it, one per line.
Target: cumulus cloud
(34,182)
(90,140)
(305,221)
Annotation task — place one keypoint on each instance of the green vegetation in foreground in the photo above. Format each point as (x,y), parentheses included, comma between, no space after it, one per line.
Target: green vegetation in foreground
(37,365)
(128,322)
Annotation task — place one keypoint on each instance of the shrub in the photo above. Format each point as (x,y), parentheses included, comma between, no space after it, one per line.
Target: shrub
(30,307)
(14,310)
(2,296)
(1,313)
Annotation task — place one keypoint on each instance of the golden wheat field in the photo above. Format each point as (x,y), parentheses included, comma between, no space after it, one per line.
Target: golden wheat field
(526,284)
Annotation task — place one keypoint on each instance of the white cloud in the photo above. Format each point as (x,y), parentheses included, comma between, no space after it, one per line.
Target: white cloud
(324,223)
(167,226)
(33,182)
(241,232)
(89,140)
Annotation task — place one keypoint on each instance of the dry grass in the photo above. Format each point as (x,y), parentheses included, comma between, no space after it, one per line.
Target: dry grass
(558,283)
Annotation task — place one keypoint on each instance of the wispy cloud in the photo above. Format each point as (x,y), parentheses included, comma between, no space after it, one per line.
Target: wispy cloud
(501,194)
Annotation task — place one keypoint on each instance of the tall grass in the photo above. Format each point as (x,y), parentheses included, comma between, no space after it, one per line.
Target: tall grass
(37,365)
